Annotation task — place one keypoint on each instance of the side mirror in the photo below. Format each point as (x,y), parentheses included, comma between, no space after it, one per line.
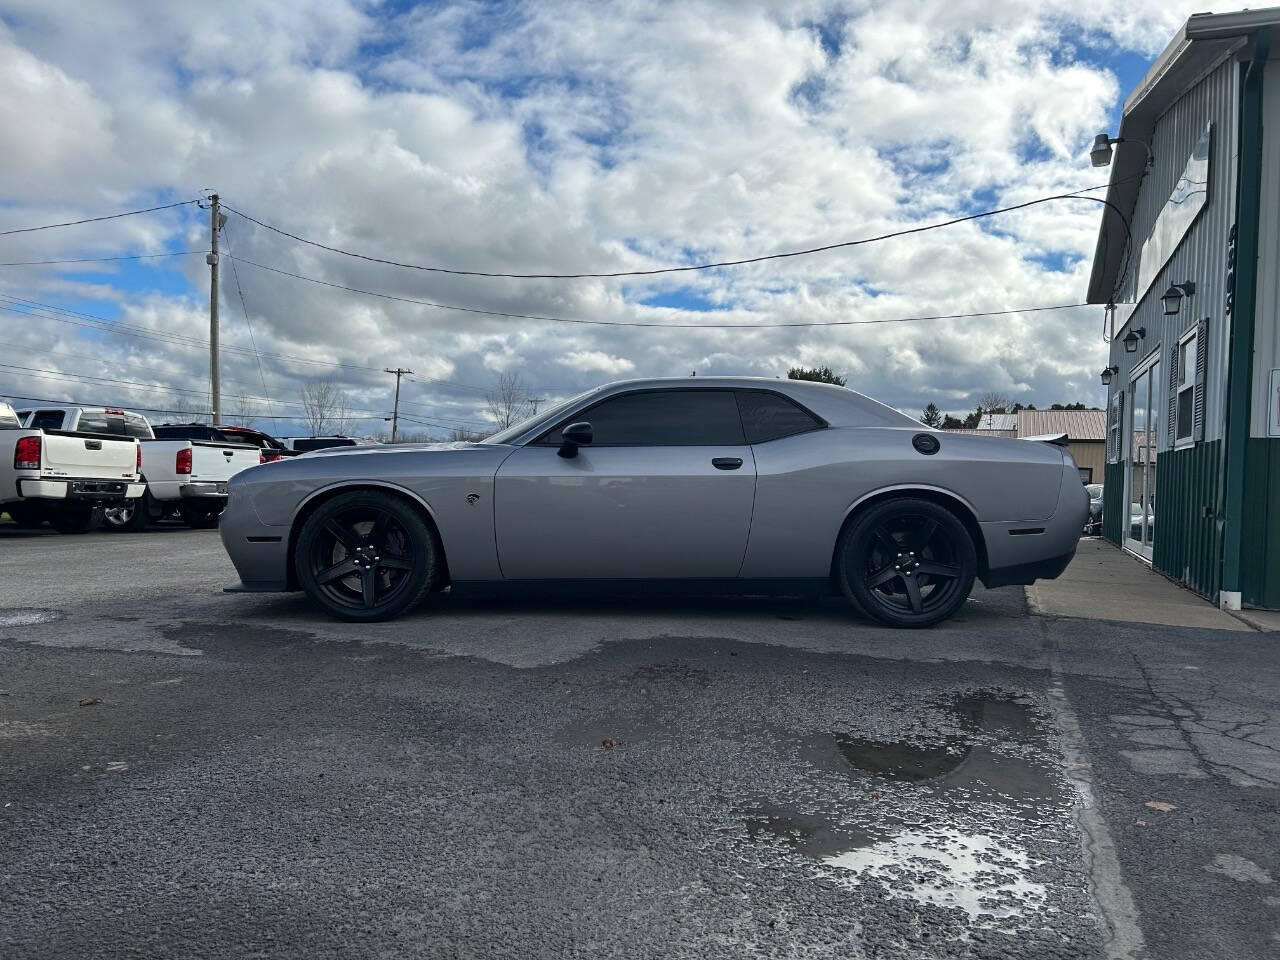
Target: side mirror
(572,437)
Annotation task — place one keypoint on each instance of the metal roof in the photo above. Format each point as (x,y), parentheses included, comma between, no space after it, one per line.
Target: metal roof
(998,421)
(1204,41)
(1076,424)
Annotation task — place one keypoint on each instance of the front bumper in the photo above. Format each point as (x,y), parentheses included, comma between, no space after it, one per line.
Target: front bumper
(260,553)
(81,491)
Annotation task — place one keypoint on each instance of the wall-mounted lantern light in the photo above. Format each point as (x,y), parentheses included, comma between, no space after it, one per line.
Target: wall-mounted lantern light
(1172,298)
(1107,374)
(1131,339)
(1100,153)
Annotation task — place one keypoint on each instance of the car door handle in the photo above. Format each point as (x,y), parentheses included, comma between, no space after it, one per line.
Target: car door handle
(726,463)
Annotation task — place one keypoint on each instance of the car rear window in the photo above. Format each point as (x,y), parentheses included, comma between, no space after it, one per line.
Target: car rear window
(769,416)
(136,427)
(47,420)
(666,418)
(322,443)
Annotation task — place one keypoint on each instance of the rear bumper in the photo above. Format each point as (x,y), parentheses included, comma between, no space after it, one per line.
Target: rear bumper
(203,490)
(80,491)
(1023,552)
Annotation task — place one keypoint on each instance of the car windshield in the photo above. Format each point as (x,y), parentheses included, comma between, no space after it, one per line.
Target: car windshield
(544,419)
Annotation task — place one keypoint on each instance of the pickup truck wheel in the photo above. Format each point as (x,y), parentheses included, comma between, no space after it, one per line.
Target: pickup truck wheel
(200,517)
(907,563)
(367,556)
(25,516)
(75,519)
(132,516)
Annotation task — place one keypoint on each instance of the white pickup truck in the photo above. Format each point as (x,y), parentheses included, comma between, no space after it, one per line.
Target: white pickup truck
(190,475)
(65,477)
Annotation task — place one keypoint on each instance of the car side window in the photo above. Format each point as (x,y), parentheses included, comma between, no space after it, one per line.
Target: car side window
(768,416)
(663,418)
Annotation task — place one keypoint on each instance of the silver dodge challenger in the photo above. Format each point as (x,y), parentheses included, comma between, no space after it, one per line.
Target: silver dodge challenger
(716,484)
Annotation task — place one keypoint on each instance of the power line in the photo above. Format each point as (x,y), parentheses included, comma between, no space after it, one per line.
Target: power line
(640,323)
(133,256)
(808,251)
(110,216)
(248,323)
(85,403)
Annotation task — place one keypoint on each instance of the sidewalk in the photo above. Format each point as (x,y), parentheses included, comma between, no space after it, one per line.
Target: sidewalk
(1105,583)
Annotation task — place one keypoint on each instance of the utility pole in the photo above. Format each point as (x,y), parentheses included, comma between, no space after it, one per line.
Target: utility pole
(215,393)
(395,411)
(533,403)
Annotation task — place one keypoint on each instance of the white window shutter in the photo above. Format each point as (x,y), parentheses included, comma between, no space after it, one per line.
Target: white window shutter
(1202,366)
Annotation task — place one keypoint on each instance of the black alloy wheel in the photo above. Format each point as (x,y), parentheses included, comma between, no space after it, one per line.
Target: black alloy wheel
(907,563)
(367,556)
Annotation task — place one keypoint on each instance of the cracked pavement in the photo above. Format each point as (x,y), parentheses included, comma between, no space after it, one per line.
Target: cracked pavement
(704,778)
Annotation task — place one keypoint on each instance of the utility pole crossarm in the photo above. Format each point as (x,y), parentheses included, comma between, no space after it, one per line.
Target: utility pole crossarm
(395,410)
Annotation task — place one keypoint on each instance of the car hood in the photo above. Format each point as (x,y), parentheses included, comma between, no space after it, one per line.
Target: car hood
(379,449)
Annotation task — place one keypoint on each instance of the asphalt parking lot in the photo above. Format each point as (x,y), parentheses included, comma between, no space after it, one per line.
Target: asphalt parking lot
(700,778)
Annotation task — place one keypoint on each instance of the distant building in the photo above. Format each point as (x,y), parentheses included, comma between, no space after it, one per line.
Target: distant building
(1189,252)
(1086,432)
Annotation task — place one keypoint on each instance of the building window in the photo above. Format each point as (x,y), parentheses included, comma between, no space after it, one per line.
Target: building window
(1086,474)
(1115,443)
(1185,388)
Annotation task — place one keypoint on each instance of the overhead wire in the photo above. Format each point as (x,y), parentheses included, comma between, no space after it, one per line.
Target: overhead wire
(808,251)
(110,216)
(248,322)
(132,256)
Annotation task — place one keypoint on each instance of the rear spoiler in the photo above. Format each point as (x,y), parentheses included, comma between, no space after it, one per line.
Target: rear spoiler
(1057,439)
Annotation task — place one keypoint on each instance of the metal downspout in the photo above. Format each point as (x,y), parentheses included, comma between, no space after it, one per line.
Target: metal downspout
(1240,346)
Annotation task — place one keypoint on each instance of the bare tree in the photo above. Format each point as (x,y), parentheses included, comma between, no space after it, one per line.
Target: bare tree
(246,410)
(993,401)
(468,436)
(185,410)
(325,409)
(509,403)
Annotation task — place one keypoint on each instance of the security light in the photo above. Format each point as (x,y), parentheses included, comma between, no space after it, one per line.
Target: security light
(1100,155)
(1172,298)
(1131,339)
(1107,374)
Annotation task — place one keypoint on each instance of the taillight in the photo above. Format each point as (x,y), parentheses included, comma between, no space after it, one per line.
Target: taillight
(137,460)
(182,463)
(26,454)
(262,456)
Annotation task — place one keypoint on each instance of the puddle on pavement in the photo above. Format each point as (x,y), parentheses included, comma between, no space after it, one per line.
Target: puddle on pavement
(27,616)
(986,777)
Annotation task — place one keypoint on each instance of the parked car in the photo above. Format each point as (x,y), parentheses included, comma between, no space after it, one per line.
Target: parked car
(739,484)
(182,473)
(64,477)
(269,447)
(1094,524)
(308,444)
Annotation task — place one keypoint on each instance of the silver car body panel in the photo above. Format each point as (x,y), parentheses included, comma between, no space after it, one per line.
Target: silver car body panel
(515,511)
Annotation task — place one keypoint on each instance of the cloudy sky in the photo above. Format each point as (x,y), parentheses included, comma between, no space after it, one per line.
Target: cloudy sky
(555,137)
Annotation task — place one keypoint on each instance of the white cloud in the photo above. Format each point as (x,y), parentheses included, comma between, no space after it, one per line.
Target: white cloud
(561,136)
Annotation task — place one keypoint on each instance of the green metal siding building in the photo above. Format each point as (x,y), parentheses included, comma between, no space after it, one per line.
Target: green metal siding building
(1188,260)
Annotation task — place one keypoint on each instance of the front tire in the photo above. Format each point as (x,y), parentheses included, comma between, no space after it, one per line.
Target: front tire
(907,563)
(366,556)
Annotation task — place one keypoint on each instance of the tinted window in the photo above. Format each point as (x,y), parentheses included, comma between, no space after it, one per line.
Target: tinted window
(135,426)
(768,416)
(47,420)
(322,443)
(667,418)
(183,431)
(94,423)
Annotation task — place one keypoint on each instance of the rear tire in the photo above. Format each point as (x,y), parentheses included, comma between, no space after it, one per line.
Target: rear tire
(907,563)
(26,516)
(75,519)
(132,516)
(365,556)
(200,517)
